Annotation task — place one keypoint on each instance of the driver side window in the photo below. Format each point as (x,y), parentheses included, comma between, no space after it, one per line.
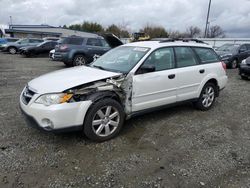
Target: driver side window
(161,59)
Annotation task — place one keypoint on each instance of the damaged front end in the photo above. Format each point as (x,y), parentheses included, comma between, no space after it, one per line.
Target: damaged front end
(119,88)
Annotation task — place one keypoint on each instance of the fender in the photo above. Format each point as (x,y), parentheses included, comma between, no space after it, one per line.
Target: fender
(205,80)
(73,52)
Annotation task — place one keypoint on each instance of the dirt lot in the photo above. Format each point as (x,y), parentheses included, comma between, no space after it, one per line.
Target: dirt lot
(176,147)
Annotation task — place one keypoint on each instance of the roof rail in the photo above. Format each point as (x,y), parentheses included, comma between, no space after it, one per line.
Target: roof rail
(183,40)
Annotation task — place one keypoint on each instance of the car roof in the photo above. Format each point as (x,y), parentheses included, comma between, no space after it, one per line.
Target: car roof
(159,44)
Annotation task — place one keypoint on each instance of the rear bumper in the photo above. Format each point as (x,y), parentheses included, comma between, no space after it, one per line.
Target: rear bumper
(222,82)
(64,57)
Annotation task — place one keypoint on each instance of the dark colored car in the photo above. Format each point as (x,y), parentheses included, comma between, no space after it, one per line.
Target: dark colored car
(244,69)
(76,51)
(4,41)
(42,48)
(233,54)
(13,47)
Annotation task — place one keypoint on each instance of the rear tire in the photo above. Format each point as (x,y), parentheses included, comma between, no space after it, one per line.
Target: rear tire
(234,64)
(79,60)
(207,97)
(104,120)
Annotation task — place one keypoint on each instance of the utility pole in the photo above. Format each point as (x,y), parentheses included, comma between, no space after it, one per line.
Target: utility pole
(10,20)
(208,12)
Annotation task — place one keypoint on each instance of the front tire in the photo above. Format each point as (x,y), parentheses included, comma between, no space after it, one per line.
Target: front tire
(244,77)
(207,97)
(104,120)
(79,60)
(12,50)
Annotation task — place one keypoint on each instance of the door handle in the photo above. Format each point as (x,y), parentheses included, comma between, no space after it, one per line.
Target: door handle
(171,76)
(90,48)
(202,71)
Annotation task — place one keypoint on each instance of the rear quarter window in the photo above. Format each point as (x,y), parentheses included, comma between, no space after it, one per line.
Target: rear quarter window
(73,41)
(206,55)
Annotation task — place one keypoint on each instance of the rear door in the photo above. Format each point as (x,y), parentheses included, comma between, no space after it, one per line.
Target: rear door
(156,88)
(94,47)
(189,73)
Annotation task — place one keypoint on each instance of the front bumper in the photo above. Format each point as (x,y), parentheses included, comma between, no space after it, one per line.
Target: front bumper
(244,70)
(66,116)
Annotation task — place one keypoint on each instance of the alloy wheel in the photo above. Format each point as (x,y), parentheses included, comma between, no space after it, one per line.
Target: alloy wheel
(105,121)
(208,96)
(79,61)
(12,50)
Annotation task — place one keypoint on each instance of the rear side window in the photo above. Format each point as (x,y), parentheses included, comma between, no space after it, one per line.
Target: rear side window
(185,57)
(206,55)
(104,43)
(94,42)
(248,46)
(73,41)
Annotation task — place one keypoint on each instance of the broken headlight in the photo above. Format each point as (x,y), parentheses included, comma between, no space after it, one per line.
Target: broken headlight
(57,98)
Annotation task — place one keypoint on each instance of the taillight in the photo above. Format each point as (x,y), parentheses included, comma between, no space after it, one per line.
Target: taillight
(224,65)
(63,47)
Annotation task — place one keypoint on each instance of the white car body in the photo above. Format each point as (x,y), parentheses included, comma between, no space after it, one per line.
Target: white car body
(52,54)
(147,90)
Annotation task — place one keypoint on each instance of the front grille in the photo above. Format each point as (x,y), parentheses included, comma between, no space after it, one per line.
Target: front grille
(27,95)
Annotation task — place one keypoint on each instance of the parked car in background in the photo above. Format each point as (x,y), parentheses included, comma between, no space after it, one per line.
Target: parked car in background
(233,54)
(126,81)
(13,47)
(42,48)
(5,41)
(76,51)
(244,69)
(51,38)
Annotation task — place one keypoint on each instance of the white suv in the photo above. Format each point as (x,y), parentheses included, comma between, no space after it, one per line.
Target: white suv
(130,79)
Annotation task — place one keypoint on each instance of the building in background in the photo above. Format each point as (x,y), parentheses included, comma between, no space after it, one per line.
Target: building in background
(41,31)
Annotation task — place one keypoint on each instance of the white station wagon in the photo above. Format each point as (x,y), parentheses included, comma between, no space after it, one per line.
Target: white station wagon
(129,80)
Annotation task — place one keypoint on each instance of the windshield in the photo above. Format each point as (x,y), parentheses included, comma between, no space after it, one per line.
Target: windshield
(228,48)
(22,41)
(40,44)
(121,59)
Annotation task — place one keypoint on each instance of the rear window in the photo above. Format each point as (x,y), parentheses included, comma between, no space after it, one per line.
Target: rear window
(206,55)
(73,41)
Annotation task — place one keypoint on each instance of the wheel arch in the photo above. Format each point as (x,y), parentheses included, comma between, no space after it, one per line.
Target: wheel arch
(210,79)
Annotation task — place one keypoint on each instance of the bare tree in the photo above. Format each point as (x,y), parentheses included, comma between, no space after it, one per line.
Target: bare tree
(176,34)
(193,31)
(216,31)
(155,31)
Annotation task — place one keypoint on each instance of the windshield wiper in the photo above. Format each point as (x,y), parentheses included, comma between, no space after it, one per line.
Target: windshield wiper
(99,67)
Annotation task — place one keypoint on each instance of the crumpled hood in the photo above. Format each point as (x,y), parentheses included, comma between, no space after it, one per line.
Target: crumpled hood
(61,80)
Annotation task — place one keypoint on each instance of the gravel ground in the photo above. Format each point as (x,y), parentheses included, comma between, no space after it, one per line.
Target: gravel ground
(176,147)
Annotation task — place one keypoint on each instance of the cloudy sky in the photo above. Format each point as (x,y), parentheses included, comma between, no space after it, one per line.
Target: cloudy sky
(232,15)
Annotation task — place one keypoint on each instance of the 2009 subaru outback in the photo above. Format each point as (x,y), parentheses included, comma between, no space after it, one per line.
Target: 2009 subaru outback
(130,79)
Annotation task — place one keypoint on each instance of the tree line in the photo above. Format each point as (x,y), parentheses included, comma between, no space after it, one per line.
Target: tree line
(153,31)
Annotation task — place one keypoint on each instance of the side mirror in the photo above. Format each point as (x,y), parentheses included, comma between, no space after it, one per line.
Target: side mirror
(146,69)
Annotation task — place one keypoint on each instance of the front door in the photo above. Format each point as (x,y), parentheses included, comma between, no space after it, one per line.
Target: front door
(157,87)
